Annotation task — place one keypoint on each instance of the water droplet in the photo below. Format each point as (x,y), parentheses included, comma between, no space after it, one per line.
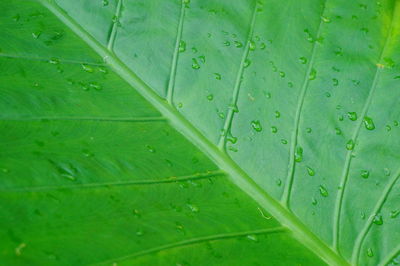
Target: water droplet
(195,64)
(310,171)
(87,68)
(136,213)
(180,227)
(247,63)
(217,76)
(325,19)
(202,58)
(338,131)
(210,97)
(150,149)
(378,220)
(256,125)
(388,128)
(352,116)
(16,17)
(323,191)
(277,114)
(238,44)
(335,82)
(282,74)
(394,214)
(274,129)
(278,182)
(364,174)
(313,74)
(369,123)
(36,34)
(105,2)
(314,201)
(139,233)
(350,145)
(95,85)
(284,141)
(309,130)
(386,171)
(252,238)
(193,208)
(252,45)
(263,46)
(54,61)
(370,253)
(227,43)
(182,46)
(303,60)
(298,155)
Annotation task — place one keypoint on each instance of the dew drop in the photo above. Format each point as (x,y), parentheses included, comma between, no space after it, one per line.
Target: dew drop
(182,46)
(394,214)
(193,208)
(87,68)
(369,123)
(252,237)
(284,141)
(36,34)
(323,191)
(136,213)
(210,97)
(378,220)
(364,174)
(314,201)
(298,155)
(274,129)
(350,145)
(370,253)
(247,63)
(313,74)
(238,44)
(352,116)
(310,171)
(335,82)
(195,64)
(252,45)
(256,125)
(303,60)
(150,149)
(217,76)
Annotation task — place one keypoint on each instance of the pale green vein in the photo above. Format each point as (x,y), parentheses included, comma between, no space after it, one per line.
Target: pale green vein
(385,261)
(42,59)
(377,209)
(172,75)
(293,145)
(113,34)
(83,118)
(156,181)
(232,108)
(349,154)
(237,175)
(197,240)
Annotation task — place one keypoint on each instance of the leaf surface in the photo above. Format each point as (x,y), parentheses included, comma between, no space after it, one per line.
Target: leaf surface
(296,103)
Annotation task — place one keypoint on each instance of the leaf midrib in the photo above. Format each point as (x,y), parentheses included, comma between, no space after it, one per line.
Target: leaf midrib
(237,175)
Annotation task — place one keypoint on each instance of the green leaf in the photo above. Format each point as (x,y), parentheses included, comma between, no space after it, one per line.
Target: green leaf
(168,132)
